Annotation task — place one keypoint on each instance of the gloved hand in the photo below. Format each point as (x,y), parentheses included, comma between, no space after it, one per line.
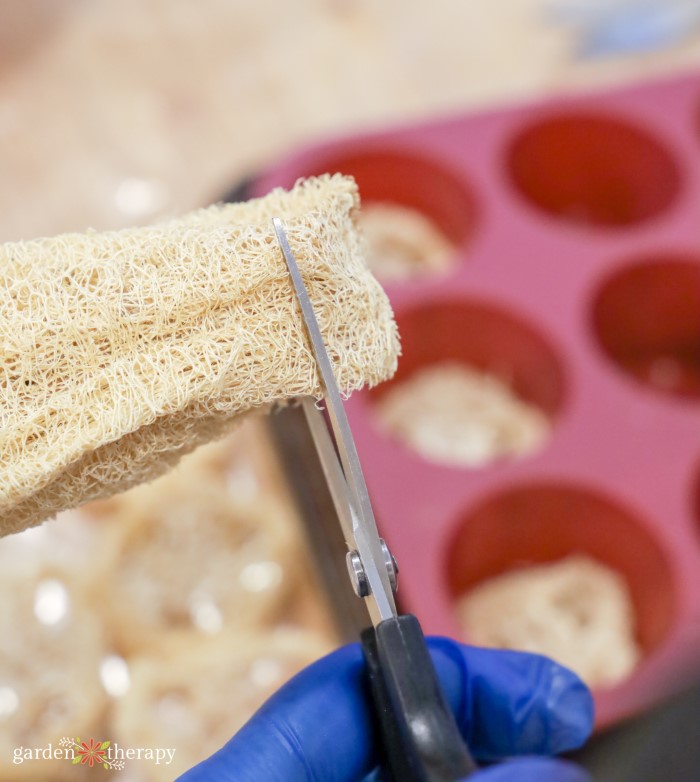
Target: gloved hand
(317,728)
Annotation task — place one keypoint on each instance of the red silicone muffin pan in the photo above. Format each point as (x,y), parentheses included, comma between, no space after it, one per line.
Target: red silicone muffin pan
(577,275)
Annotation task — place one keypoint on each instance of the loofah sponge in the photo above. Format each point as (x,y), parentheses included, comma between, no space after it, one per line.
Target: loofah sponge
(123,351)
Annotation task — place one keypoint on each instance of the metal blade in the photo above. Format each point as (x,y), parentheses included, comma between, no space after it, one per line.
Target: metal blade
(364,535)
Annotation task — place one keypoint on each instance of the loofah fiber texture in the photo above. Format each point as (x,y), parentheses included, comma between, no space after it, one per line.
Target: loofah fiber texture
(123,351)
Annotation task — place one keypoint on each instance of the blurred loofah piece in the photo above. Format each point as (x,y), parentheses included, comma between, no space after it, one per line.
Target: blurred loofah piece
(51,646)
(196,692)
(122,351)
(196,557)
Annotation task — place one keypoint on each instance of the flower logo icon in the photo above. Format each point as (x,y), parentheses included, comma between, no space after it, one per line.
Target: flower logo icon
(92,753)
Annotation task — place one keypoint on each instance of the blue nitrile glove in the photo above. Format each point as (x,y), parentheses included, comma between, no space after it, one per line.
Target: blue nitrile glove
(317,728)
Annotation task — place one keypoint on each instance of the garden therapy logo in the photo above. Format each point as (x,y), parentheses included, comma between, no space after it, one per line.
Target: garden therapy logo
(110,755)
(92,753)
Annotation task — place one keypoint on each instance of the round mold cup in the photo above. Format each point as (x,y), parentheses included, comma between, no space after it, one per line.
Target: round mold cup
(397,179)
(547,522)
(483,337)
(646,319)
(593,170)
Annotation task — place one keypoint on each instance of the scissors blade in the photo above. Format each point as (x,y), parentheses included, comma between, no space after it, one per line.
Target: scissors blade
(361,528)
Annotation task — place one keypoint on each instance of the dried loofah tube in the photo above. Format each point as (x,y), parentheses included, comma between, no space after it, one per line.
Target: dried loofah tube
(122,351)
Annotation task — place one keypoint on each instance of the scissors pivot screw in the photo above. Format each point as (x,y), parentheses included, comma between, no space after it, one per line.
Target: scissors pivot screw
(392,567)
(358,577)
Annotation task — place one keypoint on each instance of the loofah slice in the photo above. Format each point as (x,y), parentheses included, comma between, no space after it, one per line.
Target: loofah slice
(577,611)
(122,351)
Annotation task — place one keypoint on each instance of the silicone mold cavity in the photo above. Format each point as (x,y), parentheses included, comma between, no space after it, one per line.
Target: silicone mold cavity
(647,321)
(543,523)
(413,181)
(594,170)
(486,337)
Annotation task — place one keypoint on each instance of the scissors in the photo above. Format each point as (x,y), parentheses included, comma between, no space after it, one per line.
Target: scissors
(419,735)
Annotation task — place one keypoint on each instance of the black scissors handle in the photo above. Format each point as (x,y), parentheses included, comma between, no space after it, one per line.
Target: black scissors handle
(420,737)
